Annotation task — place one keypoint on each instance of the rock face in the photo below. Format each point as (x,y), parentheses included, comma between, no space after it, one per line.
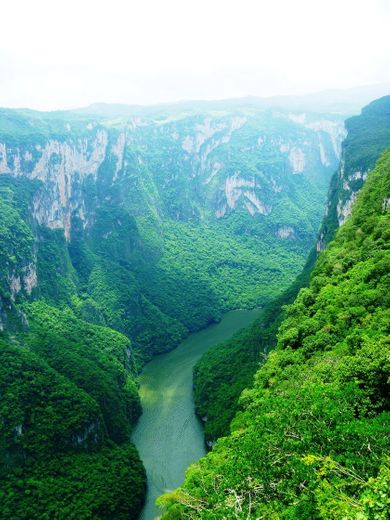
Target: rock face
(196,153)
(101,189)
(61,166)
(368,136)
(285,232)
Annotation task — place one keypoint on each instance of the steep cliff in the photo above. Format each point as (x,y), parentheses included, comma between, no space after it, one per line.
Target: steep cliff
(68,399)
(223,373)
(136,212)
(311,438)
(368,136)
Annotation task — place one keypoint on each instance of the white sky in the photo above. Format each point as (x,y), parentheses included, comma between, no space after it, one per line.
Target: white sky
(69,53)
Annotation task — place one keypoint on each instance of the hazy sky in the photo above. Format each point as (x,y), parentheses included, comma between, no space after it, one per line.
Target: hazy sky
(69,53)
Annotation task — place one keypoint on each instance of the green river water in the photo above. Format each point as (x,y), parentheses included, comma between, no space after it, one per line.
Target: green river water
(168,435)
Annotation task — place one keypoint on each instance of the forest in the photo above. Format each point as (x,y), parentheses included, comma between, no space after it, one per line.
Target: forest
(310,439)
(118,240)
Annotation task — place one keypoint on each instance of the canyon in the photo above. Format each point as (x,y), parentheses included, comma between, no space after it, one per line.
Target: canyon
(126,230)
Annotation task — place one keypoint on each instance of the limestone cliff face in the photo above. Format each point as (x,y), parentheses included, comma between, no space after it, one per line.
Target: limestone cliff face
(62,167)
(213,166)
(220,163)
(264,164)
(27,279)
(368,136)
(344,205)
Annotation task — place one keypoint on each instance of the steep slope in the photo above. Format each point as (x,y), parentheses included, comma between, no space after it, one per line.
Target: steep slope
(68,392)
(136,212)
(311,440)
(68,398)
(223,373)
(368,137)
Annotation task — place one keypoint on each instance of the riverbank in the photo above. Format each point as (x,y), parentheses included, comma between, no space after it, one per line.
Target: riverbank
(169,436)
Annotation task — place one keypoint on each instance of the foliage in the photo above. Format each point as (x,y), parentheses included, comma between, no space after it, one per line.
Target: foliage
(68,398)
(59,284)
(88,486)
(43,413)
(68,394)
(226,370)
(311,440)
(96,359)
(16,242)
(368,137)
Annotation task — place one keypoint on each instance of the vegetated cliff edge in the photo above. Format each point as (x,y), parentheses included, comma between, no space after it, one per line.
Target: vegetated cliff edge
(311,438)
(68,400)
(223,373)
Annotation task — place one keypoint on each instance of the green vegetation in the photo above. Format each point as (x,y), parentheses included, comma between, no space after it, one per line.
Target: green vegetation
(69,397)
(96,359)
(169,221)
(225,371)
(311,439)
(368,137)
(68,391)
(16,242)
(143,227)
(30,127)
(107,484)
(226,259)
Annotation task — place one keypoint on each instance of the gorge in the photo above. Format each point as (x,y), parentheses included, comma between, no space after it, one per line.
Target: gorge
(310,436)
(125,232)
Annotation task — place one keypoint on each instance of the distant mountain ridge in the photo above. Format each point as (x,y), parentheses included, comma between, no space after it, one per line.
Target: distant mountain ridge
(342,101)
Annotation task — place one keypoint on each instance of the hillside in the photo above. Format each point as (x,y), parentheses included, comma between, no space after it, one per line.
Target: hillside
(223,373)
(68,401)
(311,439)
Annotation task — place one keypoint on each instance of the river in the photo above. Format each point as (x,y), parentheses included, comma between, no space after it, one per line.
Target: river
(169,436)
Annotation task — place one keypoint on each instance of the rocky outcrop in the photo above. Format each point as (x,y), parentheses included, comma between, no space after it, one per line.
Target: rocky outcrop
(349,192)
(89,436)
(25,281)
(368,136)
(284,232)
(296,158)
(148,156)
(62,166)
